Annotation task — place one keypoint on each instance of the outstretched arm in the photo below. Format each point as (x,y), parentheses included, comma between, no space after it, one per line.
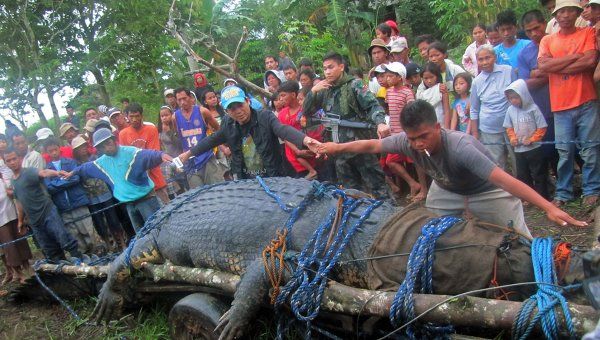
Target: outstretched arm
(524,192)
(359,146)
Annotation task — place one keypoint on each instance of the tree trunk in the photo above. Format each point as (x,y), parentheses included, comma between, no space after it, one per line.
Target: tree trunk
(101,85)
(38,110)
(339,298)
(55,115)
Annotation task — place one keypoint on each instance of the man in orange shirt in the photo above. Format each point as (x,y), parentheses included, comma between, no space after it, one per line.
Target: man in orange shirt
(568,57)
(144,136)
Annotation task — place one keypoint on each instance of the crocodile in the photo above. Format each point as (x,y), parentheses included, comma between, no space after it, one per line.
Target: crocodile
(226,227)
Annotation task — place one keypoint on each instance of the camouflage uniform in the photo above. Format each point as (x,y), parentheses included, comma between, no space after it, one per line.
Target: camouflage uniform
(349,99)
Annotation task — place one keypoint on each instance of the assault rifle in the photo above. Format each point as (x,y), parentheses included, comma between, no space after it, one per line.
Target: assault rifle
(333,122)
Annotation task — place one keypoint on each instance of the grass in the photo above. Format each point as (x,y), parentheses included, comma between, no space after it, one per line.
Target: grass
(148,323)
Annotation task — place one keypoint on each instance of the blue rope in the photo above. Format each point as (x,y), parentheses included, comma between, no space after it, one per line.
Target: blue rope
(306,287)
(546,299)
(419,273)
(16,240)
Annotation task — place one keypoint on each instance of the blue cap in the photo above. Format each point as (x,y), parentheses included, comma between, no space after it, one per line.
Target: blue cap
(101,135)
(232,94)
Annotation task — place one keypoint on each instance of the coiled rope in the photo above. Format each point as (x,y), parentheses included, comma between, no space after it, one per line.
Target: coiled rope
(419,275)
(546,299)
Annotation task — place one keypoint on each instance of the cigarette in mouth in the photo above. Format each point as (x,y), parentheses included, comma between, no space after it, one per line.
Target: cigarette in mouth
(427,153)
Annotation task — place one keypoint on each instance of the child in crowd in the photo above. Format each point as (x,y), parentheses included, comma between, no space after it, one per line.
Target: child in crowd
(469,59)
(171,144)
(526,125)
(382,81)
(460,106)
(413,76)
(493,35)
(209,99)
(397,96)
(303,161)
(100,198)
(31,198)
(435,92)
(422,42)
(71,201)
(438,54)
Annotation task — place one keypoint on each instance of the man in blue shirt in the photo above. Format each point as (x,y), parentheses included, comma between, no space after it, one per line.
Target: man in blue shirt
(508,51)
(534,25)
(489,104)
(124,169)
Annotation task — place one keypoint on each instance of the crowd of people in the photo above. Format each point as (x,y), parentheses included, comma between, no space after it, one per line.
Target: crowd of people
(429,128)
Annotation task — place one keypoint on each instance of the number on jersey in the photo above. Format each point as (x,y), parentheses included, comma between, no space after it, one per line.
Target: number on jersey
(191,141)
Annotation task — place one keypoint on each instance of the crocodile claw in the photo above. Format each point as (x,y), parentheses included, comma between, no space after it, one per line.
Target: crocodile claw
(230,329)
(108,306)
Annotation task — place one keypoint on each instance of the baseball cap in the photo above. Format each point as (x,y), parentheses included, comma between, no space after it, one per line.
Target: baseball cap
(398,45)
(594,2)
(379,69)
(65,127)
(228,80)
(169,92)
(393,26)
(412,69)
(43,133)
(103,108)
(90,126)
(113,111)
(566,3)
(232,94)
(78,141)
(101,135)
(377,43)
(396,67)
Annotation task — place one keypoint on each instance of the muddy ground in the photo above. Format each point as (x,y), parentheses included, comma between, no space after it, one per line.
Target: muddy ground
(35,320)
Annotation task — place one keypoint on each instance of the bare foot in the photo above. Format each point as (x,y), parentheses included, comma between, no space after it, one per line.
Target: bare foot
(415,188)
(420,196)
(311,175)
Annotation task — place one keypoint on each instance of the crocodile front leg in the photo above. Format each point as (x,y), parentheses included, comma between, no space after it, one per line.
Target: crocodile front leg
(251,292)
(117,285)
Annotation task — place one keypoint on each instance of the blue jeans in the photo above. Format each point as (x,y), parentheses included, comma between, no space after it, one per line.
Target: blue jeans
(139,211)
(53,237)
(580,123)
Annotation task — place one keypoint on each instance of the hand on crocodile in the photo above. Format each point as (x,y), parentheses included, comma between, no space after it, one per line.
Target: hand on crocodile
(231,327)
(108,306)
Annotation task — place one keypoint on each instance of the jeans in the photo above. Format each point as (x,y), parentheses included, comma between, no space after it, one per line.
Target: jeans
(53,237)
(499,153)
(139,211)
(580,123)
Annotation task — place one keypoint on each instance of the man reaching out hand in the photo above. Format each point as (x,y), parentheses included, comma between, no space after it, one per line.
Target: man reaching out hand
(464,176)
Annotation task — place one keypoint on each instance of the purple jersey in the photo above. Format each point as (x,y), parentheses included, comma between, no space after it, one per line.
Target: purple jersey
(191,132)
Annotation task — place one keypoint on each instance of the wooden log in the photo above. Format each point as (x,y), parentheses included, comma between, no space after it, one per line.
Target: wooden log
(339,298)
(82,271)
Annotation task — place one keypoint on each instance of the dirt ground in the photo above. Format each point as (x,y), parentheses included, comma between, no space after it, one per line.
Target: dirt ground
(35,320)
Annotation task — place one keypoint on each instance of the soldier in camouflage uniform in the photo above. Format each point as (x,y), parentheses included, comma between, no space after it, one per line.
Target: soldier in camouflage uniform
(343,95)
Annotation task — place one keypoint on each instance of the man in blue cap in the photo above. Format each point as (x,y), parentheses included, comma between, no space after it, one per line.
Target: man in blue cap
(252,137)
(125,170)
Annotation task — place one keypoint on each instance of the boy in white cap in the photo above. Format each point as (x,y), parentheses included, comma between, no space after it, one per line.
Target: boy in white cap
(396,97)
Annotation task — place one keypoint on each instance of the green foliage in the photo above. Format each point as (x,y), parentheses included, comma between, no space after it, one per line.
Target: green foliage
(456,18)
